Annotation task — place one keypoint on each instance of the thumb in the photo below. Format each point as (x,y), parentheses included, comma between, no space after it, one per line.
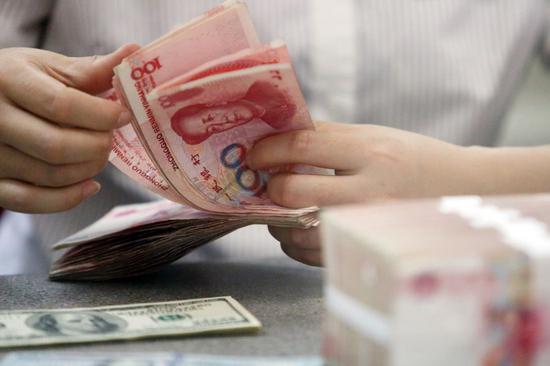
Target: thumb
(94,74)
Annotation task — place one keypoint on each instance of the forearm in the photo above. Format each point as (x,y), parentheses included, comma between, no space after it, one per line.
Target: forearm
(507,170)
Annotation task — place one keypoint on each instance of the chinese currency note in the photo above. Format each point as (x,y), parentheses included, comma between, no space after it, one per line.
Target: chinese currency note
(200,97)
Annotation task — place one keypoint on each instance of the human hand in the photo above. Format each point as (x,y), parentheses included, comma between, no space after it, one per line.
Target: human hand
(54,134)
(371,163)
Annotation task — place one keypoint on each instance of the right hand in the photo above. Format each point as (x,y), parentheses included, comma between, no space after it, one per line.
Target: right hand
(54,134)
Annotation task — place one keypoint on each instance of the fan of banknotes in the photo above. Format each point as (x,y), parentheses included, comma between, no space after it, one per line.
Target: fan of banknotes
(200,96)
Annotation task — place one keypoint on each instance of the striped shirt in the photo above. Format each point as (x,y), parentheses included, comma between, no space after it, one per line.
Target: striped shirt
(446,68)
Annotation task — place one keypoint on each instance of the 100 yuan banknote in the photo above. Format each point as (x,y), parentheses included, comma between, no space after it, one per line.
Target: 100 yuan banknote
(149,359)
(221,31)
(22,328)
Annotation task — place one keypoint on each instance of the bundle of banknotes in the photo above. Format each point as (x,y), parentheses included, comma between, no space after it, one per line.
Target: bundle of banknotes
(200,97)
(135,239)
(149,359)
(454,281)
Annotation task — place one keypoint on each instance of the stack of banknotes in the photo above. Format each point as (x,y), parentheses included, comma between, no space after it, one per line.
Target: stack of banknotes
(454,281)
(200,97)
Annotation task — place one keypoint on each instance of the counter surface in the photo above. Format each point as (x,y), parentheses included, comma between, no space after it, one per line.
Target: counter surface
(285,296)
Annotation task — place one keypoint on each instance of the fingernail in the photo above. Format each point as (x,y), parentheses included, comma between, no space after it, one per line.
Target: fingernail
(123,119)
(90,188)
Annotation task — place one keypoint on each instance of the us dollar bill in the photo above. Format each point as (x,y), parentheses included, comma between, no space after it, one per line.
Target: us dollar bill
(149,359)
(60,326)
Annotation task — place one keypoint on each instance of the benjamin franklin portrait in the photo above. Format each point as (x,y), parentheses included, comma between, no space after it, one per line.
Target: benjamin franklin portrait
(76,323)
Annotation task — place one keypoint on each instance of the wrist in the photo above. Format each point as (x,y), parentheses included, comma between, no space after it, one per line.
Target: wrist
(490,171)
(481,169)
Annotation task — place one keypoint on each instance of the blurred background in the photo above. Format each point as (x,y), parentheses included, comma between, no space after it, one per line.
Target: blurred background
(528,122)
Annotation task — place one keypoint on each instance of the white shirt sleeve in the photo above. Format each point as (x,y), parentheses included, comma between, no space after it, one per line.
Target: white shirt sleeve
(19,252)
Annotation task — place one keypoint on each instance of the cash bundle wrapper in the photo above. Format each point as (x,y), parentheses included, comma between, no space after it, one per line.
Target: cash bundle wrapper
(450,281)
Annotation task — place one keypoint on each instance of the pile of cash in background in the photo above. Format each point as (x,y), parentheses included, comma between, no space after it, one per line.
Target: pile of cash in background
(455,281)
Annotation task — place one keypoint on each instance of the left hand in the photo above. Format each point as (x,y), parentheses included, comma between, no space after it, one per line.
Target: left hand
(371,163)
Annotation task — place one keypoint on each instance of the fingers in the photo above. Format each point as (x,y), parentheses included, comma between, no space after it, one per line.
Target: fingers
(301,190)
(302,245)
(309,257)
(56,88)
(91,74)
(53,134)
(325,126)
(326,149)
(16,165)
(303,239)
(48,142)
(23,197)
(52,100)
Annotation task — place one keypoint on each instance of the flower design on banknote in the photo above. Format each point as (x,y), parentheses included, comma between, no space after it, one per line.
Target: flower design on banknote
(264,101)
(76,323)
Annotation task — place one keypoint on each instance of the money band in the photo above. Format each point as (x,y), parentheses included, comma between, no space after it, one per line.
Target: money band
(365,320)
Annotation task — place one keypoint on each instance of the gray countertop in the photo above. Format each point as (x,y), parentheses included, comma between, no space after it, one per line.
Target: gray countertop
(285,296)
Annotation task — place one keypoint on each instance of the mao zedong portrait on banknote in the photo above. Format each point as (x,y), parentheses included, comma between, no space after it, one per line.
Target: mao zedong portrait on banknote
(263,102)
